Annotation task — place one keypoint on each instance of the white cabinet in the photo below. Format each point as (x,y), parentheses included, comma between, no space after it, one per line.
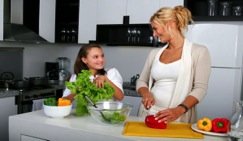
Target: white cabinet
(7,108)
(111,11)
(93,12)
(140,11)
(87,20)
(1,19)
(171,3)
(47,20)
(17,11)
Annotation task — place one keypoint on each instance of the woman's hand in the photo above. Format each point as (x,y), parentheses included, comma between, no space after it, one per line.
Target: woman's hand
(100,81)
(148,100)
(168,115)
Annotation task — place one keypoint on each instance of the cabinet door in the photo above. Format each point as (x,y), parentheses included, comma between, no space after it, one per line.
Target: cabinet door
(111,11)
(171,3)
(223,89)
(17,10)
(140,11)
(47,20)
(87,20)
(7,108)
(1,19)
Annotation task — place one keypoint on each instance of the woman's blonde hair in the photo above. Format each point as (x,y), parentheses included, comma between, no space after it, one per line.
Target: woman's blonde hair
(180,15)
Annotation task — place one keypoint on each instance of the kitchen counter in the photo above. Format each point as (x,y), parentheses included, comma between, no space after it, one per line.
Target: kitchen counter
(58,85)
(8,93)
(133,93)
(36,125)
(130,90)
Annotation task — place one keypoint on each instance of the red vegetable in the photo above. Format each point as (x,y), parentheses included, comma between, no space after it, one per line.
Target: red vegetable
(152,123)
(221,125)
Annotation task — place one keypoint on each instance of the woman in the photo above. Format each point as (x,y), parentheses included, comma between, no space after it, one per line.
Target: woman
(91,57)
(175,77)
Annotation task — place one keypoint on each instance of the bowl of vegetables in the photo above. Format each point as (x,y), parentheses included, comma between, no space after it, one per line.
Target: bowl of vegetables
(110,112)
(57,109)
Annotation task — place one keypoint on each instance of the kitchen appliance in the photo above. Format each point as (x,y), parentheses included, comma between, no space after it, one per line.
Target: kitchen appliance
(225,82)
(32,88)
(52,70)
(6,79)
(64,66)
(24,100)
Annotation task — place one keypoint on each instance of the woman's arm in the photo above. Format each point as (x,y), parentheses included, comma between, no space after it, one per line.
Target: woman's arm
(142,85)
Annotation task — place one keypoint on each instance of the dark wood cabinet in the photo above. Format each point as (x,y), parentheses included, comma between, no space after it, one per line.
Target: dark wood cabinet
(31,14)
(67,18)
(125,35)
(199,10)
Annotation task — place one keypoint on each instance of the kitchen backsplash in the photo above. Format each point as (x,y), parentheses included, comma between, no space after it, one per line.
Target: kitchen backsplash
(128,60)
(11,62)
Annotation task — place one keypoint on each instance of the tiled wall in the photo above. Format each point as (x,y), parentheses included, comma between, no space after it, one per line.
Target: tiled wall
(11,61)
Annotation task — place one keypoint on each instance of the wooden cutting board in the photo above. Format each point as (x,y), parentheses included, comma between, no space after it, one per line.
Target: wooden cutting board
(173,130)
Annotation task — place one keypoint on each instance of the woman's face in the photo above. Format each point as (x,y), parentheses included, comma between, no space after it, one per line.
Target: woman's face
(161,32)
(95,59)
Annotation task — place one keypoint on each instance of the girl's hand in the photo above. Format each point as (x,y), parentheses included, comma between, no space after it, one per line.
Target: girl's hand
(99,81)
(148,100)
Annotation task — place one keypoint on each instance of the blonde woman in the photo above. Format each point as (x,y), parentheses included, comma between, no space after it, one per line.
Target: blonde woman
(174,78)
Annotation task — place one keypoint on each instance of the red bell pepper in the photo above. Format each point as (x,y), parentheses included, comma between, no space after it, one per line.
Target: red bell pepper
(220,125)
(152,123)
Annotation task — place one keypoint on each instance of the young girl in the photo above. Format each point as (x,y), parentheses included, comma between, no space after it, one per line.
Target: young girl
(91,57)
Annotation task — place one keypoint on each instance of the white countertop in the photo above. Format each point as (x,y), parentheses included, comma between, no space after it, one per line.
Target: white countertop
(38,125)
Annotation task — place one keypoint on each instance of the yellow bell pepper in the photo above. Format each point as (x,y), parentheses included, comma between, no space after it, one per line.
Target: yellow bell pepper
(204,124)
(63,102)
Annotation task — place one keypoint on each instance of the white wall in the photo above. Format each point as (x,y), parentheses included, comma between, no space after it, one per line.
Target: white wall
(128,60)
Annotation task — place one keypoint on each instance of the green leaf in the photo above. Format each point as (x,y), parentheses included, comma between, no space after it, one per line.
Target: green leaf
(83,86)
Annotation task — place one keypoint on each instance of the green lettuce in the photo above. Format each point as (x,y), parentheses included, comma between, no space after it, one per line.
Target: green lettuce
(83,86)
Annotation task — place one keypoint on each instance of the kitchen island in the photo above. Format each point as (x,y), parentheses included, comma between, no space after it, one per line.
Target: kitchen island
(36,126)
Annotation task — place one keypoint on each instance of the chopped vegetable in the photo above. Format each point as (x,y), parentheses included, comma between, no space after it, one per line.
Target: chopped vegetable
(115,117)
(152,123)
(63,102)
(50,101)
(221,125)
(84,86)
(204,124)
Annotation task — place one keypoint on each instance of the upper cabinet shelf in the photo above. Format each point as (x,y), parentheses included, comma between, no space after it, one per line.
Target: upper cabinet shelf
(67,21)
(225,10)
(125,35)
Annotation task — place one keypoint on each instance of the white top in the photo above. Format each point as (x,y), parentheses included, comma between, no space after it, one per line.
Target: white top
(112,74)
(165,76)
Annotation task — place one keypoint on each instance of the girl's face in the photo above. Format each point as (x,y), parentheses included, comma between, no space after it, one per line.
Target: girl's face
(95,59)
(161,32)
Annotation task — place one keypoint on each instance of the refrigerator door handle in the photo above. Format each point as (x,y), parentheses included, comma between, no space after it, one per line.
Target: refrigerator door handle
(226,67)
